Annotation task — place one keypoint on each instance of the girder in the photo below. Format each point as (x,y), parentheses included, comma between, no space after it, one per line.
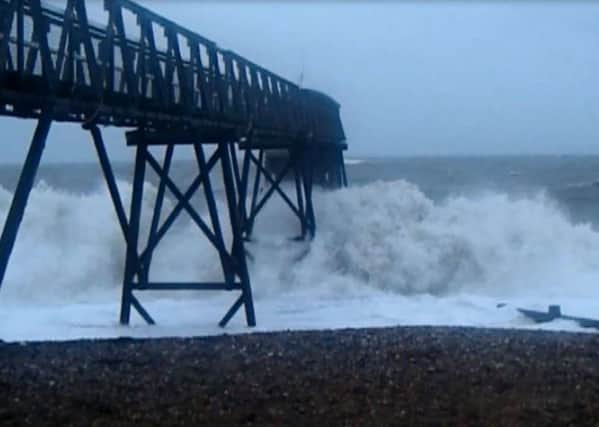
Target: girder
(100,73)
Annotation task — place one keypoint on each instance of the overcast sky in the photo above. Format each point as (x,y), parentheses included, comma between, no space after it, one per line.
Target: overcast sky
(426,78)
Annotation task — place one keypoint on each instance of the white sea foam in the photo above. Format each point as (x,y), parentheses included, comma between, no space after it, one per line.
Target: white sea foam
(384,254)
(353,161)
(390,236)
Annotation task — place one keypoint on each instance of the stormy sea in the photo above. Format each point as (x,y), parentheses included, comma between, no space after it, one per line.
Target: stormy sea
(413,241)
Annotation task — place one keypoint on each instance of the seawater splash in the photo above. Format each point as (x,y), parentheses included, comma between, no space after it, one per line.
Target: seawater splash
(381,237)
(70,246)
(389,236)
(67,244)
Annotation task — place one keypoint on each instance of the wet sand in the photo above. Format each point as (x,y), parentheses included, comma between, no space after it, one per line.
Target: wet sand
(394,376)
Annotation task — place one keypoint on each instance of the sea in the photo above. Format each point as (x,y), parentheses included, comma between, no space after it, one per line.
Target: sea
(458,241)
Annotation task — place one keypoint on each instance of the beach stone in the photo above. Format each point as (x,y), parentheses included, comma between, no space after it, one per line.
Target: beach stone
(393,376)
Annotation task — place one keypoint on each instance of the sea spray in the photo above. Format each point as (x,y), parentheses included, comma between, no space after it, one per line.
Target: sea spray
(390,236)
(380,237)
(70,246)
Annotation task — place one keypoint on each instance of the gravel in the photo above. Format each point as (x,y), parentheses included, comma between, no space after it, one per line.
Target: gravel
(394,376)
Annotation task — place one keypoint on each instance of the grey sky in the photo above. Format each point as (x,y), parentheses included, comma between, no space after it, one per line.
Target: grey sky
(412,78)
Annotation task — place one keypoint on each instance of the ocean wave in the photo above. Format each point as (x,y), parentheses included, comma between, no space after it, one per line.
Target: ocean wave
(390,236)
(380,237)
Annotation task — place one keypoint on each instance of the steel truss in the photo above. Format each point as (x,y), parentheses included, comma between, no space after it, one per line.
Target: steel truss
(298,166)
(138,260)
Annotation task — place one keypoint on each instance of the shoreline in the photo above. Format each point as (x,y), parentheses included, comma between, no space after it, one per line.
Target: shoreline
(316,331)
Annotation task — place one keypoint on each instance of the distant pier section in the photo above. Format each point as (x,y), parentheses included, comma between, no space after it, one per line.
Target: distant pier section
(169,87)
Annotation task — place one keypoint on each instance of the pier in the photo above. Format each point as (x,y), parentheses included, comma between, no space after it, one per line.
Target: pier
(168,87)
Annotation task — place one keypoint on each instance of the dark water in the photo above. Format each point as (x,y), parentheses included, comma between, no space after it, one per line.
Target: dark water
(572,181)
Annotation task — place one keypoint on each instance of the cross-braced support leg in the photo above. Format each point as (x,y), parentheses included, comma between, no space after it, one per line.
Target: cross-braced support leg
(138,260)
(294,164)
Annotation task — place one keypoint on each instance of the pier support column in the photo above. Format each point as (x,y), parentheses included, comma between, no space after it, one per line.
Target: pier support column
(137,275)
(343,169)
(133,266)
(307,167)
(238,247)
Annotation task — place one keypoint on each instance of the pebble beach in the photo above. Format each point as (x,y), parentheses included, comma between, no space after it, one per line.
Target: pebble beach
(436,376)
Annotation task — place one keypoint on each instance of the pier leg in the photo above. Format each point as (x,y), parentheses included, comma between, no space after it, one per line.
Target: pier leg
(132,258)
(308,178)
(137,264)
(300,199)
(132,261)
(24,186)
(249,225)
(238,249)
(244,190)
(343,170)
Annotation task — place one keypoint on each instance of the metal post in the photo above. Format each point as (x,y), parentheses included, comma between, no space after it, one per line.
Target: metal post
(343,171)
(109,177)
(245,173)
(132,260)
(308,168)
(24,186)
(249,226)
(238,249)
(297,170)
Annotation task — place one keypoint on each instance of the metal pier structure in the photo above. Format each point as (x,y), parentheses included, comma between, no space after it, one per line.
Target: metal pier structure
(169,87)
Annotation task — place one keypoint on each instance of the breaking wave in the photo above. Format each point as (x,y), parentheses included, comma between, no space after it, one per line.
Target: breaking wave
(390,236)
(380,237)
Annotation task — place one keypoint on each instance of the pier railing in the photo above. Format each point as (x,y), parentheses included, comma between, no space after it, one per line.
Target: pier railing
(149,72)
